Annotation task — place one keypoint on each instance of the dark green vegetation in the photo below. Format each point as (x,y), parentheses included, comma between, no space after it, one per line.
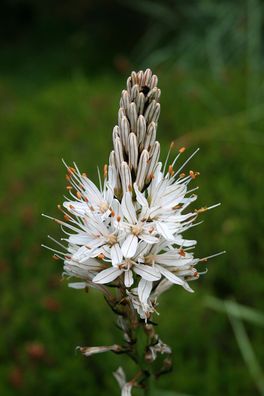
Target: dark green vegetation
(53,107)
(42,319)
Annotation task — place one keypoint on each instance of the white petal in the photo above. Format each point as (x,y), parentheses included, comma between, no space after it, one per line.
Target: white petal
(120,376)
(129,247)
(174,279)
(79,239)
(184,242)
(147,272)
(144,290)
(148,238)
(116,254)
(127,389)
(173,258)
(78,285)
(77,208)
(163,230)
(107,275)
(128,278)
(140,197)
(128,208)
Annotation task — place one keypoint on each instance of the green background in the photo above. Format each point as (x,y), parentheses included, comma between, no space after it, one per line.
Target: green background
(62,69)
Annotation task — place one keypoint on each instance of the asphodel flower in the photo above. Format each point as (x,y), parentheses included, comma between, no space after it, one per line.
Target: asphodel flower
(129,230)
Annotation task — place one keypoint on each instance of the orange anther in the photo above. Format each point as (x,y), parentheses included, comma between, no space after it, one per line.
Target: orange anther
(69,187)
(201,210)
(105,170)
(66,217)
(118,218)
(181,252)
(151,176)
(78,194)
(71,206)
(101,256)
(182,149)
(55,257)
(71,170)
(112,213)
(171,171)
(182,175)
(193,174)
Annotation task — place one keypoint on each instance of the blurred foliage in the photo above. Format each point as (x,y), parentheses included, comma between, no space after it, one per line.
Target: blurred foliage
(54,104)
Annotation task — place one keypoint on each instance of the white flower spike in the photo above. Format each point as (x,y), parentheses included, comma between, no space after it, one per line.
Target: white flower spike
(129,231)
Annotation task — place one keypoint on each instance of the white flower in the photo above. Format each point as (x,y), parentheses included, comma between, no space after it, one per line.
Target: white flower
(129,230)
(126,387)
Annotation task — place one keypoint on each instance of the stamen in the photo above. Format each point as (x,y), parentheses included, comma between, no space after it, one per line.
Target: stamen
(186,162)
(205,208)
(105,170)
(193,174)
(170,170)
(204,259)
(168,156)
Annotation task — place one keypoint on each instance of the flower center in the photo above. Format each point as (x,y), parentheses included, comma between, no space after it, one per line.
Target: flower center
(136,230)
(112,239)
(103,207)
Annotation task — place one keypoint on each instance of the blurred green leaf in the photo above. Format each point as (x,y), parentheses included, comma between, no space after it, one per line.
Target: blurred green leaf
(245,346)
(236,310)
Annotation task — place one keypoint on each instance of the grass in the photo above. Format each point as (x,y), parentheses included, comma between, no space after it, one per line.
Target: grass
(45,120)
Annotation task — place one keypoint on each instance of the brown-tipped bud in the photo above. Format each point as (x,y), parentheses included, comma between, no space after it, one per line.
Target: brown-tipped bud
(133,151)
(132,115)
(124,132)
(157,95)
(141,129)
(142,169)
(125,100)
(125,176)
(154,81)
(149,357)
(134,93)
(134,77)
(150,136)
(149,111)
(147,78)
(116,133)
(140,77)
(118,152)
(152,93)
(121,114)
(129,85)
(140,103)
(156,113)
(112,160)
(154,160)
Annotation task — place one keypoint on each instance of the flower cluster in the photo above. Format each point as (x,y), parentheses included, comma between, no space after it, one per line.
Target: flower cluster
(129,231)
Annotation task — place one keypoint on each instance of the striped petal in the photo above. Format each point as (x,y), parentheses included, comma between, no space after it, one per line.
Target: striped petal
(129,247)
(128,208)
(128,278)
(107,275)
(144,290)
(174,279)
(147,272)
(116,254)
